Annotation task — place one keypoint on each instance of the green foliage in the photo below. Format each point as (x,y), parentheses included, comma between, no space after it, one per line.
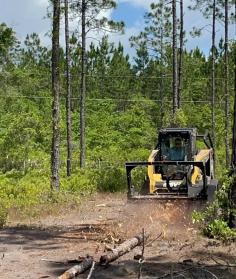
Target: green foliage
(180,119)
(111,178)
(8,42)
(81,182)
(214,219)
(31,195)
(117,137)
(3,213)
(155,36)
(219,229)
(94,8)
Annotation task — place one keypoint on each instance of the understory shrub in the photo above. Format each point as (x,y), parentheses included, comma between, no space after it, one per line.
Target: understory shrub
(219,229)
(28,194)
(111,178)
(81,182)
(3,213)
(214,219)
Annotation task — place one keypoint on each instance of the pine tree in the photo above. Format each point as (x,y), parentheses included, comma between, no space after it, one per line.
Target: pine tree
(157,31)
(88,10)
(226,88)
(218,10)
(181,45)
(142,58)
(175,60)
(210,9)
(213,82)
(68,90)
(83,84)
(98,63)
(233,159)
(153,41)
(34,53)
(8,45)
(55,157)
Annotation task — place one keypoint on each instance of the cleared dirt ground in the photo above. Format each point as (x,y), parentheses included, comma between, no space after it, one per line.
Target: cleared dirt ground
(42,249)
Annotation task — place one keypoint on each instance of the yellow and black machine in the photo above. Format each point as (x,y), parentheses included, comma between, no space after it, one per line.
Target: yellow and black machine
(176,169)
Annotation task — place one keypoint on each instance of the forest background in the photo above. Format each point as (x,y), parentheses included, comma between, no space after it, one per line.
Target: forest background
(127,101)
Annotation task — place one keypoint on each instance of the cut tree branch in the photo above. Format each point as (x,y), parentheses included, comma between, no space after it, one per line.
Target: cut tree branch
(77,269)
(122,249)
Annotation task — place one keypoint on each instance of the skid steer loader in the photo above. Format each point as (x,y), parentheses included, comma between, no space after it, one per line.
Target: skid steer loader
(176,169)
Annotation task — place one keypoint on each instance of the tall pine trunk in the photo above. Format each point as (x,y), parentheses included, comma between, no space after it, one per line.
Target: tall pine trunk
(233,160)
(83,87)
(162,69)
(180,68)
(55,159)
(227,109)
(175,62)
(162,81)
(68,93)
(213,86)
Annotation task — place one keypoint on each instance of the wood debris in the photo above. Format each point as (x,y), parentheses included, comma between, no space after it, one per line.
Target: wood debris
(122,249)
(77,269)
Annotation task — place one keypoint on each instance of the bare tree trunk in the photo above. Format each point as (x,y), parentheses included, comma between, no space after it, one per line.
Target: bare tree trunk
(227,109)
(83,88)
(162,80)
(181,51)
(68,95)
(233,163)
(55,159)
(175,62)
(232,218)
(213,87)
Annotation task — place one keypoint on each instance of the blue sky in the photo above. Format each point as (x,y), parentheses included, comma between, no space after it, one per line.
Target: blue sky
(128,12)
(27,16)
(134,10)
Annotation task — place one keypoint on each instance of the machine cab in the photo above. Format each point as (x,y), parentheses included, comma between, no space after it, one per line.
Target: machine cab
(176,145)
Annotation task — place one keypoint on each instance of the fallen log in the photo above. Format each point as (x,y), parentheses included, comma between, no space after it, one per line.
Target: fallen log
(77,269)
(122,249)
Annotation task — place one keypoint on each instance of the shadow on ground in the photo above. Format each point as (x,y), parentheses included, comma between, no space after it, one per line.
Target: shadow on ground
(156,268)
(36,237)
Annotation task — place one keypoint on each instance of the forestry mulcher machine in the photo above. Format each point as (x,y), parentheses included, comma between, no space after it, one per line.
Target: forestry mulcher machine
(176,169)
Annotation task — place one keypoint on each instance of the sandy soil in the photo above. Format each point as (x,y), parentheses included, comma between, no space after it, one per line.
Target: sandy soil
(45,248)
